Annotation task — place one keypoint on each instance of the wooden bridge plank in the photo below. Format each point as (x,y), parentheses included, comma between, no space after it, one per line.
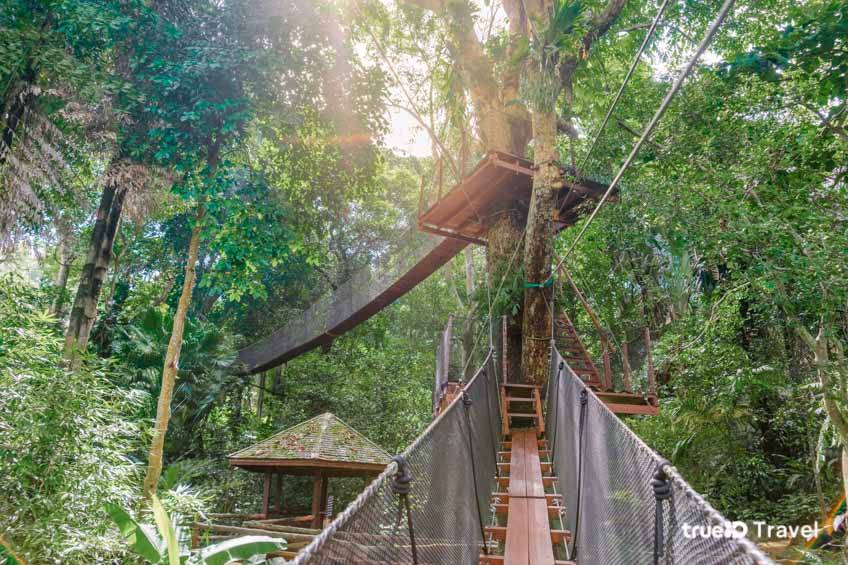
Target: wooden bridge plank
(516,549)
(528,532)
(539,530)
(517,467)
(533,468)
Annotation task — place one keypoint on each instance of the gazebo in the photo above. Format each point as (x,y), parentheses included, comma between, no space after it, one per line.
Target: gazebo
(321,447)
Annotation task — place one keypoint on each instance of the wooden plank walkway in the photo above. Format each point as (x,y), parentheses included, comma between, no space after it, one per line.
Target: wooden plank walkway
(528,532)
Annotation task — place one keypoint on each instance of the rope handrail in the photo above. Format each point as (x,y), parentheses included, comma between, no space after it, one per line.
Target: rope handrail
(383,481)
(624,517)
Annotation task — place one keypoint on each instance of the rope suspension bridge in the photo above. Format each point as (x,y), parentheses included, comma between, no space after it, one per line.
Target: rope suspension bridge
(576,487)
(509,472)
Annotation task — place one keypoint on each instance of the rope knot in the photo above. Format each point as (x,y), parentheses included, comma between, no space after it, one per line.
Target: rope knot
(402,477)
(584,397)
(661,483)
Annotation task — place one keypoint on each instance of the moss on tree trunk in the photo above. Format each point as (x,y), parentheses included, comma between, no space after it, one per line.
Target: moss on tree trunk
(504,248)
(538,245)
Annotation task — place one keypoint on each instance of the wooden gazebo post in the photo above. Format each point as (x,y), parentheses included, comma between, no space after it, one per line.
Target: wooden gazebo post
(266,496)
(320,484)
(279,494)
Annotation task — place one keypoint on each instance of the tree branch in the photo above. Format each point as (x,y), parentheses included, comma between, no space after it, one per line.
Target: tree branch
(602,23)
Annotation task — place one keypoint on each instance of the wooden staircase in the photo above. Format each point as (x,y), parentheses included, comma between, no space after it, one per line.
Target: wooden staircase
(575,354)
(521,405)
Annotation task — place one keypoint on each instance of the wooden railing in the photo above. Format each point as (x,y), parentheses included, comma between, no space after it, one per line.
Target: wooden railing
(608,347)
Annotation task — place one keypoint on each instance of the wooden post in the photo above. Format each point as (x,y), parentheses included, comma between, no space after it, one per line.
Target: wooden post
(504,341)
(328,512)
(421,196)
(504,411)
(447,347)
(279,494)
(316,499)
(325,492)
(625,364)
(652,380)
(266,495)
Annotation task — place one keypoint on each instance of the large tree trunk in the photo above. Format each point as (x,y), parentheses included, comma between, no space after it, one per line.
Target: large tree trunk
(172,361)
(64,257)
(537,251)
(84,309)
(503,259)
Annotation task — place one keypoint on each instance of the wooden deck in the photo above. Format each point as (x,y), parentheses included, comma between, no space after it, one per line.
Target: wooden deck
(500,181)
(528,532)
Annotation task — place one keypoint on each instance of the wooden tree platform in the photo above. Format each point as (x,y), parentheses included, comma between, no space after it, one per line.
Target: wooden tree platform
(499,182)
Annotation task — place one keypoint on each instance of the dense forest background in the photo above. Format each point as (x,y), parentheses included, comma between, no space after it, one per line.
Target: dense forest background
(178,179)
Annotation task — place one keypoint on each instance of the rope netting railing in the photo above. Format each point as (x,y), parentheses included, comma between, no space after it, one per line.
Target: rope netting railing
(624,503)
(352,302)
(431,503)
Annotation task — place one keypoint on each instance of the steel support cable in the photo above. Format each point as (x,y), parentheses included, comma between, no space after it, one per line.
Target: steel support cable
(466,405)
(584,400)
(491,322)
(627,77)
(678,83)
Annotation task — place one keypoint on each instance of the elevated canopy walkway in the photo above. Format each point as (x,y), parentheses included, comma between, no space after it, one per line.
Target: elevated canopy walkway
(586,491)
(500,181)
(358,299)
(455,219)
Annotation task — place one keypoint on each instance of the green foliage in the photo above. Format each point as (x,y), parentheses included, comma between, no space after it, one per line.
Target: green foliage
(64,439)
(204,375)
(161,545)
(140,538)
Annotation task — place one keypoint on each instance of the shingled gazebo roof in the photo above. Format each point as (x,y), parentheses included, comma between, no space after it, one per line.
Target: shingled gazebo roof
(323,442)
